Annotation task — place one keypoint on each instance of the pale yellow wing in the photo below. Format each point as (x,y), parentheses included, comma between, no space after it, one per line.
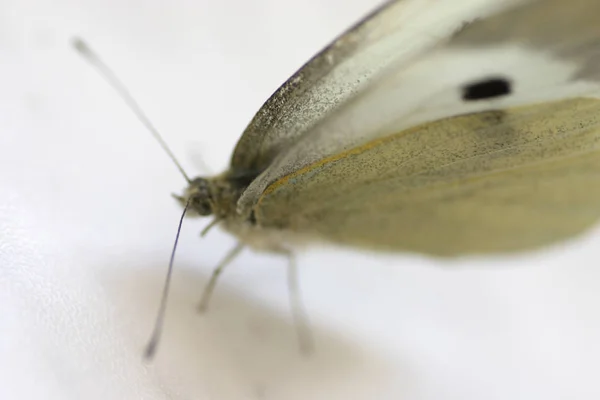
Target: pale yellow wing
(488,182)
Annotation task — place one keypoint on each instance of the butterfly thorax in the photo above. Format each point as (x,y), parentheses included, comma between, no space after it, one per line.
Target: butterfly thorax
(218,196)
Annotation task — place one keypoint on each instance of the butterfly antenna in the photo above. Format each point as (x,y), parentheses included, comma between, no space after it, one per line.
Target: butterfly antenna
(83,49)
(158,324)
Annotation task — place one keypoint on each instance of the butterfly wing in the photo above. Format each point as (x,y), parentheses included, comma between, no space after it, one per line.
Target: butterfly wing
(537,51)
(480,183)
(396,33)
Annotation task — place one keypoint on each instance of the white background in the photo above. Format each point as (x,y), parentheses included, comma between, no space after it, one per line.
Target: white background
(87,223)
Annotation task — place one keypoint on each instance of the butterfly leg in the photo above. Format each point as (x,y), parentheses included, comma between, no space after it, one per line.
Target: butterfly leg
(299,314)
(210,286)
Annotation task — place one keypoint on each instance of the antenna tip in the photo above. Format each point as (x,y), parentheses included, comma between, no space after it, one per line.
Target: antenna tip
(80,45)
(150,350)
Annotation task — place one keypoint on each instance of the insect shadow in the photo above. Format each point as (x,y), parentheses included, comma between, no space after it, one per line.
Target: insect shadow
(241,345)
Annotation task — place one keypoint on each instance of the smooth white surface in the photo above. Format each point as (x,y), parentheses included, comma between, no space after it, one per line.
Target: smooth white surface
(86,226)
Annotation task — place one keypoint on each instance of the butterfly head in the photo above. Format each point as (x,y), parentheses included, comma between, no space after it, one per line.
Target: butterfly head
(199,197)
(216,196)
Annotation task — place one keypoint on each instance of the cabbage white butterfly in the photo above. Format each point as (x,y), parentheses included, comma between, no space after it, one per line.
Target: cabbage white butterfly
(475,132)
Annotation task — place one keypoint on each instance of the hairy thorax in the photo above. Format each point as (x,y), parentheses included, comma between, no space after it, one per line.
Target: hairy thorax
(218,197)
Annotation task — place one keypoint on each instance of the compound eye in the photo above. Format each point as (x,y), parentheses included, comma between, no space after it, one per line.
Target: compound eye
(202,207)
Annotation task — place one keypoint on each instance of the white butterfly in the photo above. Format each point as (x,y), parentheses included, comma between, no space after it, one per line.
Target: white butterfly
(430,133)
(473,130)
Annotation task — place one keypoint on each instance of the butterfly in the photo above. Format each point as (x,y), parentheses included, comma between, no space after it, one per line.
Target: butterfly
(426,133)
(445,131)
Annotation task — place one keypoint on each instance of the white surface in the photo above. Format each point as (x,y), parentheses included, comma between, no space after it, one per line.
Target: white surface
(86,226)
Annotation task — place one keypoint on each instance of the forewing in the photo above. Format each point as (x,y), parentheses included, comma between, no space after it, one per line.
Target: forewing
(544,50)
(396,33)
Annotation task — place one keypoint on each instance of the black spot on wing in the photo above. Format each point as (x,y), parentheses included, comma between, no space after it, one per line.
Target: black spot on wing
(486,89)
